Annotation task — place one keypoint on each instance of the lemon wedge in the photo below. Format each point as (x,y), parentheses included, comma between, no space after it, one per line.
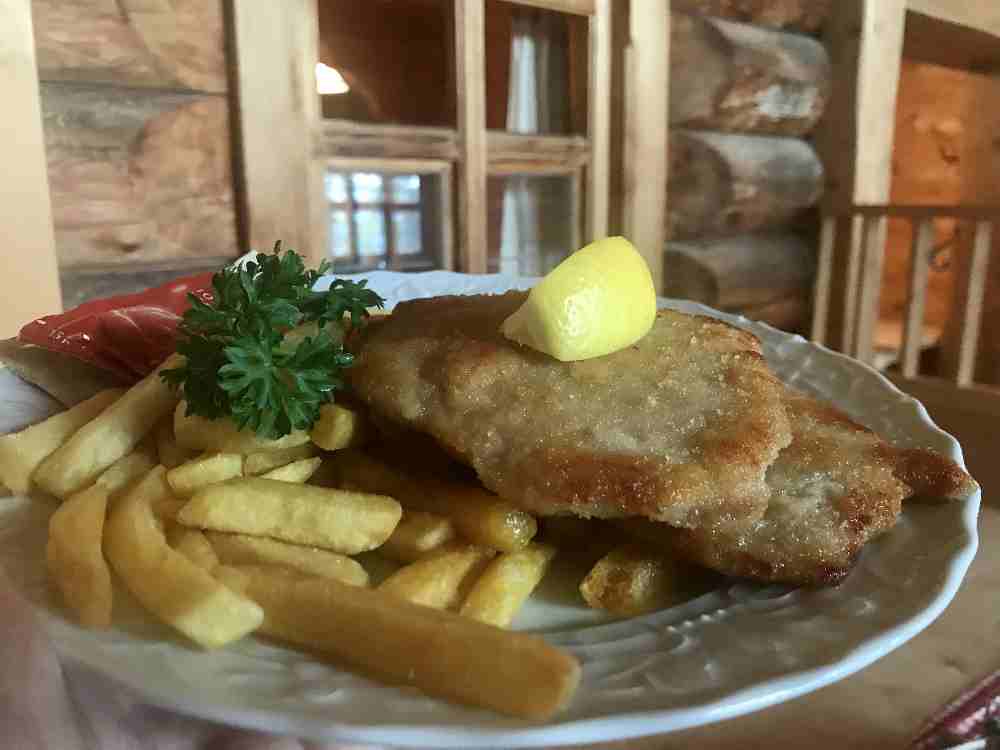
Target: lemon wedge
(597,301)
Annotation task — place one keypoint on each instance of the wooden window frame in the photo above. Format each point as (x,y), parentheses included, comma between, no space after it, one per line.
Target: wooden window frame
(275,49)
(432,213)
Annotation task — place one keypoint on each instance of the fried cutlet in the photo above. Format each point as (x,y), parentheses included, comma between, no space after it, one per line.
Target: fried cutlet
(834,488)
(680,427)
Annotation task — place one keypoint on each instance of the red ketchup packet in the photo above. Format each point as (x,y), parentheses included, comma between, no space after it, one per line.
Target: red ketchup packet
(128,335)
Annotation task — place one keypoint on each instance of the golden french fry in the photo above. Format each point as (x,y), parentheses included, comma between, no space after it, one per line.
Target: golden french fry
(168,451)
(438,652)
(259,463)
(338,427)
(506,584)
(417,534)
(212,468)
(166,507)
(478,515)
(240,549)
(165,581)
(297,471)
(109,436)
(125,472)
(222,436)
(193,544)
(631,580)
(22,452)
(74,558)
(441,579)
(347,522)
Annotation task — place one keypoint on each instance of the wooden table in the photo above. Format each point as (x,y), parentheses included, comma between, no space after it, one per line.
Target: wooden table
(884,705)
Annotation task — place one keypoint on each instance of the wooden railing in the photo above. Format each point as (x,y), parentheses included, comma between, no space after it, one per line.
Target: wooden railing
(860,232)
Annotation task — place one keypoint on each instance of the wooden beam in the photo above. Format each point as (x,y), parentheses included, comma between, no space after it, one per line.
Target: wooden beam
(29,285)
(646,113)
(343,138)
(278,109)
(920,264)
(470,58)
(854,139)
(982,15)
(573,7)
(951,211)
(962,339)
(940,41)
(599,121)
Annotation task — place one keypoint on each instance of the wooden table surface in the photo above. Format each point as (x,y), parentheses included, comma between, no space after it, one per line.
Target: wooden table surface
(884,705)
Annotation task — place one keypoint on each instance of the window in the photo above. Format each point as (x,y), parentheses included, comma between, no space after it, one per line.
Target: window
(385,220)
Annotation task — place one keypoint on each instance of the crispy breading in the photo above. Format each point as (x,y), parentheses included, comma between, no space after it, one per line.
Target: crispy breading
(679,427)
(837,486)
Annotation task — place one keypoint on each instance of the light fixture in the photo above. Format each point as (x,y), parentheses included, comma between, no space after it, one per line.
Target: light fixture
(329,80)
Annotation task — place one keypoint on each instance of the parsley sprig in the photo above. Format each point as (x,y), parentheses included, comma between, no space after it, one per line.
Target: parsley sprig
(239,363)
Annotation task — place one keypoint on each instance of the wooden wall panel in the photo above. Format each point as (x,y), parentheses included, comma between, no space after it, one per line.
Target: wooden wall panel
(29,286)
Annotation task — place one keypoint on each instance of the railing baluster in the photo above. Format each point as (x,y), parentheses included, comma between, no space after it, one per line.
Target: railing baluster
(923,245)
(968,305)
(824,276)
(851,284)
(866,320)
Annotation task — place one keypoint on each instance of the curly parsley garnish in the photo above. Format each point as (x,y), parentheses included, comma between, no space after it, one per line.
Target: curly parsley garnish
(242,364)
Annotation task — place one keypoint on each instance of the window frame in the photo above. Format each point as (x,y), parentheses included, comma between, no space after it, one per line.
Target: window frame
(433,213)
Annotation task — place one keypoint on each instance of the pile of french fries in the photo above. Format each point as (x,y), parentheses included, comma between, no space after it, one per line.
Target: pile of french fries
(220,533)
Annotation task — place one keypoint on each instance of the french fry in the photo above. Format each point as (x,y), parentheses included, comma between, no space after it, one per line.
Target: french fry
(74,559)
(506,584)
(168,451)
(403,643)
(259,463)
(212,468)
(240,549)
(107,437)
(417,534)
(338,427)
(478,515)
(338,520)
(125,472)
(193,544)
(441,579)
(297,471)
(22,452)
(631,580)
(222,436)
(167,506)
(165,581)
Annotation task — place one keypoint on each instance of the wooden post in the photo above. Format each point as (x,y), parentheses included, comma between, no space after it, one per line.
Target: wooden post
(870,280)
(920,263)
(824,272)
(647,70)
(962,340)
(29,285)
(471,80)
(278,112)
(599,120)
(854,139)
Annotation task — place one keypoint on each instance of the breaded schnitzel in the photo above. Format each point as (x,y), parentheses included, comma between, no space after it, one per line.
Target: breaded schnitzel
(680,427)
(834,488)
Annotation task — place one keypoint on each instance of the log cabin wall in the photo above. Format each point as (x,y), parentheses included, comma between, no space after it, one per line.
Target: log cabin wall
(135,114)
(749,83)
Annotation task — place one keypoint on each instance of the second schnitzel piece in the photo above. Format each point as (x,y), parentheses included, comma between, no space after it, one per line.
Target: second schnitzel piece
(834,488)
(680,427)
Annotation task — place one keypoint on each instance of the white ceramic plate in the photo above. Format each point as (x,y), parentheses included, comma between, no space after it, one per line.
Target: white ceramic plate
(735,650)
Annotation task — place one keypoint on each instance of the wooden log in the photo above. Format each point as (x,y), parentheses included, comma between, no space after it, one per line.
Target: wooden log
(727,184)
(137,175)
(738,272)
(799,15)
(735,77)
(178,44)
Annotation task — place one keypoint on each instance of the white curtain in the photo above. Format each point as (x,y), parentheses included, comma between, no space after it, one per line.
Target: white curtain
(537,66)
